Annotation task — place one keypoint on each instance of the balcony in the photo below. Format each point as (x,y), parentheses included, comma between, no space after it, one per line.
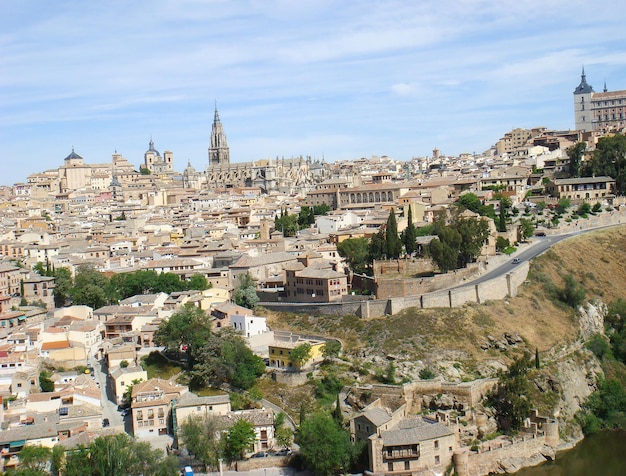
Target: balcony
(401,453)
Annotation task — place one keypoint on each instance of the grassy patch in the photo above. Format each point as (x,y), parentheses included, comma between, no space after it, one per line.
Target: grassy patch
(158,366)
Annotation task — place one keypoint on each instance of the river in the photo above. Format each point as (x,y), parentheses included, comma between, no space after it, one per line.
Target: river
(603,454)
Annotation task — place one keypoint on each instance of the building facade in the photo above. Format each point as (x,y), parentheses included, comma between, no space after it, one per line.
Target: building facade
(605,111)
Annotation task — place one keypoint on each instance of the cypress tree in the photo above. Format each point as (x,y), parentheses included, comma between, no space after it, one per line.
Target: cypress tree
(392,240)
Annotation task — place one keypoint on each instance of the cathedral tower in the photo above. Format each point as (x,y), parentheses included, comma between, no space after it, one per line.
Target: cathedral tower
(219,153)
(583,113)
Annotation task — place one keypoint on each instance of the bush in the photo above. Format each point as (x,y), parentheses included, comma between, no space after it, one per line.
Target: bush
(572,294)
(426,374)
(599,346)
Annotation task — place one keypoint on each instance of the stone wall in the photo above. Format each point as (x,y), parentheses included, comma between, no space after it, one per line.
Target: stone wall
(492,455)
(258,463)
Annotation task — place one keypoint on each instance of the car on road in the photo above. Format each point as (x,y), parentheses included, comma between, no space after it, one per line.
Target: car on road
(516,261)
(125,411)
(282,453)
(105,423)
(188,471)
(540,233)
(261,454)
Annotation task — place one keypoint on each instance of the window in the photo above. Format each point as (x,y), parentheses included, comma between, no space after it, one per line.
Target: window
(407,465)
(436,459)
(436,444)
(389,466)
(139,415)
(198,409)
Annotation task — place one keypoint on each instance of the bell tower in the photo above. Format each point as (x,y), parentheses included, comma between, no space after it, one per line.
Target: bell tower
(583,114)
(219,153)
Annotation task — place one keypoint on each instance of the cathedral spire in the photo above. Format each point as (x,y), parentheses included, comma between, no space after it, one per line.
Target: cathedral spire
(605,90)
(219,153)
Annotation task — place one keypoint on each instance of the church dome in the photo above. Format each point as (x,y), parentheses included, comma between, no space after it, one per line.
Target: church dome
(73,156)
(152,149)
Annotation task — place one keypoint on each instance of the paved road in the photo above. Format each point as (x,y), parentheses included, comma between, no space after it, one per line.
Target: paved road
(107,396)
(538,245)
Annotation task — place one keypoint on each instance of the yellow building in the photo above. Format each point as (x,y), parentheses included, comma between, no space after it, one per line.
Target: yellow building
(280,351)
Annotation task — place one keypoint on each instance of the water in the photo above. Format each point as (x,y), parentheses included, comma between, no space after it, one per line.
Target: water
(603,454)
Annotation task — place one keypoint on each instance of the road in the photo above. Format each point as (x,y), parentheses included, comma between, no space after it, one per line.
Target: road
(539,245)
(107,396)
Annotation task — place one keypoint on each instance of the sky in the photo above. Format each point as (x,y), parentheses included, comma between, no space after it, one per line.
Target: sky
(332,79)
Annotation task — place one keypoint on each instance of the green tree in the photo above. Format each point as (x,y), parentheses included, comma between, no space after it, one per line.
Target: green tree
(89,287)
(187,329)
(584,209)
(198,282)
(474,233)
(444,250)
(356,252)
(245,294)
(609,159)
(225,357)
(35,459)
(470,201)
(331,349)
(62,286)
(322,209)
(284,436)
(325,447)
(502,243)
(239,440)
(605,408)
(378,246)
(512,398)
(562,205)
(300,354)
(526,228)
(409,235)
(572,294)
(287,224)
(45,384)
(575,154)
(393,245)
(199,436)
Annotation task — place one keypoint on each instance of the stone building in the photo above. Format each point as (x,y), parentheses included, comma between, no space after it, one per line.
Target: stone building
(605,111)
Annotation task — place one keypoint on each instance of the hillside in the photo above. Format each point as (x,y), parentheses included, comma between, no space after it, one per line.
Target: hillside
(468,342)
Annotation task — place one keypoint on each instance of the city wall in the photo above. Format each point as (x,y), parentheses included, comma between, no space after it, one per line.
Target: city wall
(497,288)
(416,289)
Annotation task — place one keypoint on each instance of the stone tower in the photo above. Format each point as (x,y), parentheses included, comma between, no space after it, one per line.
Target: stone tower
(583,113)
(219,153)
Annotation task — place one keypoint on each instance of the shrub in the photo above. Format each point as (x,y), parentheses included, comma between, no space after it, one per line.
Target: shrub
(426,374)
(599,346)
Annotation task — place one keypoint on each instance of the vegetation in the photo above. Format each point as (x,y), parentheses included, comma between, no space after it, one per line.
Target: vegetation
(356,252)
(225,358)
(238,440)
(511,400)
(300,354)
(45,384)
(200,437)
(605,408)
(325,447)
(107,456)
(575,154)
(188,330)
(245,294)
(409,235)
(459,242)
(609,159)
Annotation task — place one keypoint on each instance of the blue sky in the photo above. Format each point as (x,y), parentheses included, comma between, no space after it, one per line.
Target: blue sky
(339,79)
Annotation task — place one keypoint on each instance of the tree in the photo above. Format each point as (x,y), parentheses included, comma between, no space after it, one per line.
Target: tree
(444,250)
(35,459)
(572,294)
(609,159)
(331,349)
(198,283)
(284,436)
(89,286)
(322,209)
(287,224)
(225,357)
(325,447)
(199,436)
(45,384)
(575,154)
(526,228)
(378,246)
(239,440)
(301,354)
(356,253)
(470,201)
(512,398)
(62,286)
(562,205)
(393,245)
(410,234)
(245,294)
(187,329)
(474,233)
